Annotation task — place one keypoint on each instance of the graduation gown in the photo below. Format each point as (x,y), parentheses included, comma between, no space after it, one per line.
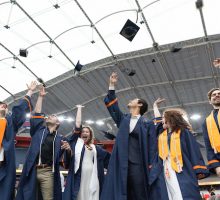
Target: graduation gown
(213,158)
(115,185)
(193,164)
(72,185)
(8,170)
(27,185)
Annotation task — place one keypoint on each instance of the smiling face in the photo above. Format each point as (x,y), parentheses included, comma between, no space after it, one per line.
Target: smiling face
(87,135)
(215,98)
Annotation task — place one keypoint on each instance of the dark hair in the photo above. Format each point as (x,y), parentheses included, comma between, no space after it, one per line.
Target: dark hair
(1,102)
(90,141)
(144,107)
(176,120)
(211,91)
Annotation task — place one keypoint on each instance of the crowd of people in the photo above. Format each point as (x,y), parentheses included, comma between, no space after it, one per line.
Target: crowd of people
(156,159)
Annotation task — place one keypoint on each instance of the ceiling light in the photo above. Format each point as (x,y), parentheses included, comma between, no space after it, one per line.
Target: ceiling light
(61,118)
(89,122)
(99,122)
(195,117)
(69,119)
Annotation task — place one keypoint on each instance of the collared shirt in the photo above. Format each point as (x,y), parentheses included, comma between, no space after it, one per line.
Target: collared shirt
(133,120)
(47,149)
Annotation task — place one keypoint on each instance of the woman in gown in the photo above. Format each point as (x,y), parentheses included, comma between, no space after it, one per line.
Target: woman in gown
(179,163)
(87,164)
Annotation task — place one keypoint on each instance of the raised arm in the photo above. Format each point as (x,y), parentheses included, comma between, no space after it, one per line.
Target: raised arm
(37,119)
(156,107)
(111,100)
(19,111)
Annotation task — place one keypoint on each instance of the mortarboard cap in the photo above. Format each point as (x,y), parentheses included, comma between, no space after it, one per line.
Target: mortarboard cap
(129,30)
(78,67)
(23,52)
(175,48)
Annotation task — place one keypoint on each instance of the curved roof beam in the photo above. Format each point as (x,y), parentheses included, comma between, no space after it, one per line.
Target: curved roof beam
(75,27)
(142,86)
(42,30)
(114,13)
(5,3)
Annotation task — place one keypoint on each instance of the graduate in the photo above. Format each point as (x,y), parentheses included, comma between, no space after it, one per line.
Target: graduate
(9,125)
(41,169)
(127,175)
(179,157)
(211,132)
(86,167)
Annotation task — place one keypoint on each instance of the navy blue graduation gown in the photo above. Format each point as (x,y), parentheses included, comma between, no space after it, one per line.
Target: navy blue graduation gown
(8,170)
(193,164)
(73,180)
(27,184)
(213,158)
(115,185)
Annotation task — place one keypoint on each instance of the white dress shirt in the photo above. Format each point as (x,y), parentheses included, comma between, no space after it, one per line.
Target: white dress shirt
(134,119)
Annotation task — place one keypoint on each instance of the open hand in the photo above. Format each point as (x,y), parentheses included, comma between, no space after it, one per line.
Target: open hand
(32,86)
(216,63)
(159,101)
(42,91)
(113,78)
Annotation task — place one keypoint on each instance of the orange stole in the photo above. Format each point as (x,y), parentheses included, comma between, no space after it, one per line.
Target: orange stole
(175,149)
(213,132)
(3,123)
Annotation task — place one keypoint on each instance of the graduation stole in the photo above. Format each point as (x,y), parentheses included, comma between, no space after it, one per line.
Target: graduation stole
(3,123)
(213,131)
(175,149)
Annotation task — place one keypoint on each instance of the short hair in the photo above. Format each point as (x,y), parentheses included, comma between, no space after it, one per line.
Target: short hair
(209,94)
(144,107)
(1,102)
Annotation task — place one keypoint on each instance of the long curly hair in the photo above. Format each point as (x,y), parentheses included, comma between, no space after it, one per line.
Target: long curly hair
(175,117)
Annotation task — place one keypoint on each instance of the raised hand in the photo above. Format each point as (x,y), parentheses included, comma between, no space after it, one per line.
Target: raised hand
(80,106)
(42,91)
(32,86)
(113,78)
(159,101)
(216,63)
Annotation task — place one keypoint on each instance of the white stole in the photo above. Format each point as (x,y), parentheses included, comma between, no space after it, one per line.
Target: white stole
(78,151)
(1,154)
(94,182)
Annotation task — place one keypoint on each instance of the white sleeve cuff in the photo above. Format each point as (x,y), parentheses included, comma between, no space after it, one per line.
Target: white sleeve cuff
(111,88)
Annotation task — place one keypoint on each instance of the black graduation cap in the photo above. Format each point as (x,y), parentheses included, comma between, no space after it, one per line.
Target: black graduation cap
(130,72)
(40,80)
(175,48)
(78,67)
(199,4)
(129,30)
(23,52)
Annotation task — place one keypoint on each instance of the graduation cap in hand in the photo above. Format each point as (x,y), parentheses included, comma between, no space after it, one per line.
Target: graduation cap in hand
(78,68)
(129,30)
